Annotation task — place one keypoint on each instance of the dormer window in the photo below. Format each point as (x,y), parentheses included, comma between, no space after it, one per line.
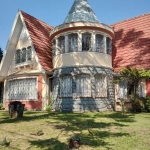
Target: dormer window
(73,42)
(99,43)
(86,42)
(23,55)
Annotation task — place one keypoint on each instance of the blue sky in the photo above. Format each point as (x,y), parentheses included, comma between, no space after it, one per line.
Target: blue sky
(54,12)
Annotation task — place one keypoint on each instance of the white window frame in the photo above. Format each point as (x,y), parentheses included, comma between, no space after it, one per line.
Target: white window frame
(100,85)
(83,85)
(66,86)
(20,90)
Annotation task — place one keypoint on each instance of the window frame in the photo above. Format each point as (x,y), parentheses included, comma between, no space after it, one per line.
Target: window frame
(101,93)
(62,86)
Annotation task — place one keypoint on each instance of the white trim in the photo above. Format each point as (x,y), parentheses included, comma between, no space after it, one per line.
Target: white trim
(32,46)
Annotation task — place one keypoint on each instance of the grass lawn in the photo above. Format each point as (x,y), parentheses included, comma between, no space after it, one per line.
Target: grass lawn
(97,131)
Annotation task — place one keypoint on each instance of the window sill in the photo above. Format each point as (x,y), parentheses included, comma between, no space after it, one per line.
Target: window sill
(28,63)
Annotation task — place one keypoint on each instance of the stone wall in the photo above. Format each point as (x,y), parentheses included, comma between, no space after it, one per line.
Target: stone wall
(81,104)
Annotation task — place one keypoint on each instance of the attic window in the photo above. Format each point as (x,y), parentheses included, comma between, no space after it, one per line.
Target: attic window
(23,55)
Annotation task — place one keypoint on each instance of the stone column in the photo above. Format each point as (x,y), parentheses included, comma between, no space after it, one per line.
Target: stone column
(66,43)
(79,41)
(56,52)
(93,41)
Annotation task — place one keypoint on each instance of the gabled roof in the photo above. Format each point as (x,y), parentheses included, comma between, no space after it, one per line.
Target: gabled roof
(39,33)
(81,11)
(131,45)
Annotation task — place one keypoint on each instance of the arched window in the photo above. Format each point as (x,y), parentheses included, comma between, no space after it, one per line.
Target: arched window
(61,44)
(101,85)
(109,45)
(86,41)
(73,42)
(99,43)
(83,86)
(66,86)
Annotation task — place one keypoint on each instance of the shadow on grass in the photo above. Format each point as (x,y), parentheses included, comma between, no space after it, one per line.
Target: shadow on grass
(49,144)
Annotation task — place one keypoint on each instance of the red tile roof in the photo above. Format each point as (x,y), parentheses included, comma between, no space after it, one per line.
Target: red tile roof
(131,45)
(39,33)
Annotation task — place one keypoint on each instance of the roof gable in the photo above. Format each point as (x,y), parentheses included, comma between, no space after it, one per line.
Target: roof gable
(81,11)
(131,45)
(39,34)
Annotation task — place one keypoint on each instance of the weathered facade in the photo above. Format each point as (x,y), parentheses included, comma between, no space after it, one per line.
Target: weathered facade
(72,64)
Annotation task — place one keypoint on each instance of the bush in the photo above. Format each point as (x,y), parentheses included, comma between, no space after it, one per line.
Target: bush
(1,106)
(137,104)
(48,108)
(146,103)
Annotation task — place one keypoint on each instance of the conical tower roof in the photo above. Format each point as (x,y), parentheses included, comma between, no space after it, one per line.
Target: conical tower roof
(81,11)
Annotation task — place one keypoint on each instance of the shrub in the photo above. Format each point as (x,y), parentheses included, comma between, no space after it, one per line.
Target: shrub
(48,108)
(146,103)
(1,106)
(137,104)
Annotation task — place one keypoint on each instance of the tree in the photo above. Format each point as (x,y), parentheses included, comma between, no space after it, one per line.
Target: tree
(131,77)
(1,54)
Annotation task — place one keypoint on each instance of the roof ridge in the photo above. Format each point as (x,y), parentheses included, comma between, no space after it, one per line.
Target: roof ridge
(131,18)
(35,18)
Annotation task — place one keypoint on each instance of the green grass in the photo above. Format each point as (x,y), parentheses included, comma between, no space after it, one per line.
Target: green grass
(97,131)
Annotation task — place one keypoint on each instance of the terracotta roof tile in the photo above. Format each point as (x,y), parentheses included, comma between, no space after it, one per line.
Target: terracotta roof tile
(39,33)
(131,45)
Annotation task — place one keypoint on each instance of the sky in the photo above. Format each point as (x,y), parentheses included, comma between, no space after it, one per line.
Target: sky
(54,12)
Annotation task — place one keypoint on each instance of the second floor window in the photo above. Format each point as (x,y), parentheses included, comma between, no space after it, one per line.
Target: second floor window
(23,55)
(109,45)
(86,42)
(61,44)
(73,42)
(99,43)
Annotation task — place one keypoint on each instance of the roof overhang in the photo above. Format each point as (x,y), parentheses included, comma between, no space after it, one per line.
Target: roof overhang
(82,25)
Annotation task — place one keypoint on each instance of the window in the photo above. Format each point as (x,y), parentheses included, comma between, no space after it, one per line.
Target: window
(61,44)
(23,55)
(101,86)
(73,42)
(122,91)
(86,42)
(21,89)
(109,45)
(99,43)
(66,86)
(141,89)
(83,87)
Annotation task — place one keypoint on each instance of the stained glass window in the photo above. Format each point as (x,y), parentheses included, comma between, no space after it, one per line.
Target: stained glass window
(99,43)
(83,87)
(61,44)
(86,42)
(73,42)
(66,86)
(21,89)
(101,86)
(109,45)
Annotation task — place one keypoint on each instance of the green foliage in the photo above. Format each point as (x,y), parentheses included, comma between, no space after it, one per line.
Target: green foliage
(48,108)
(1,54)
(1,106)
(146,103)
(137,104)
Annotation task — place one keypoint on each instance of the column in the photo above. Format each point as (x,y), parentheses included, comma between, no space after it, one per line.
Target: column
(66,43)
(93,41)
(79,41)
(56,46)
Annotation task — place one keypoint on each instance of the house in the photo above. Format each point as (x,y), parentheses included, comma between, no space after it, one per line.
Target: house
(73,64)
